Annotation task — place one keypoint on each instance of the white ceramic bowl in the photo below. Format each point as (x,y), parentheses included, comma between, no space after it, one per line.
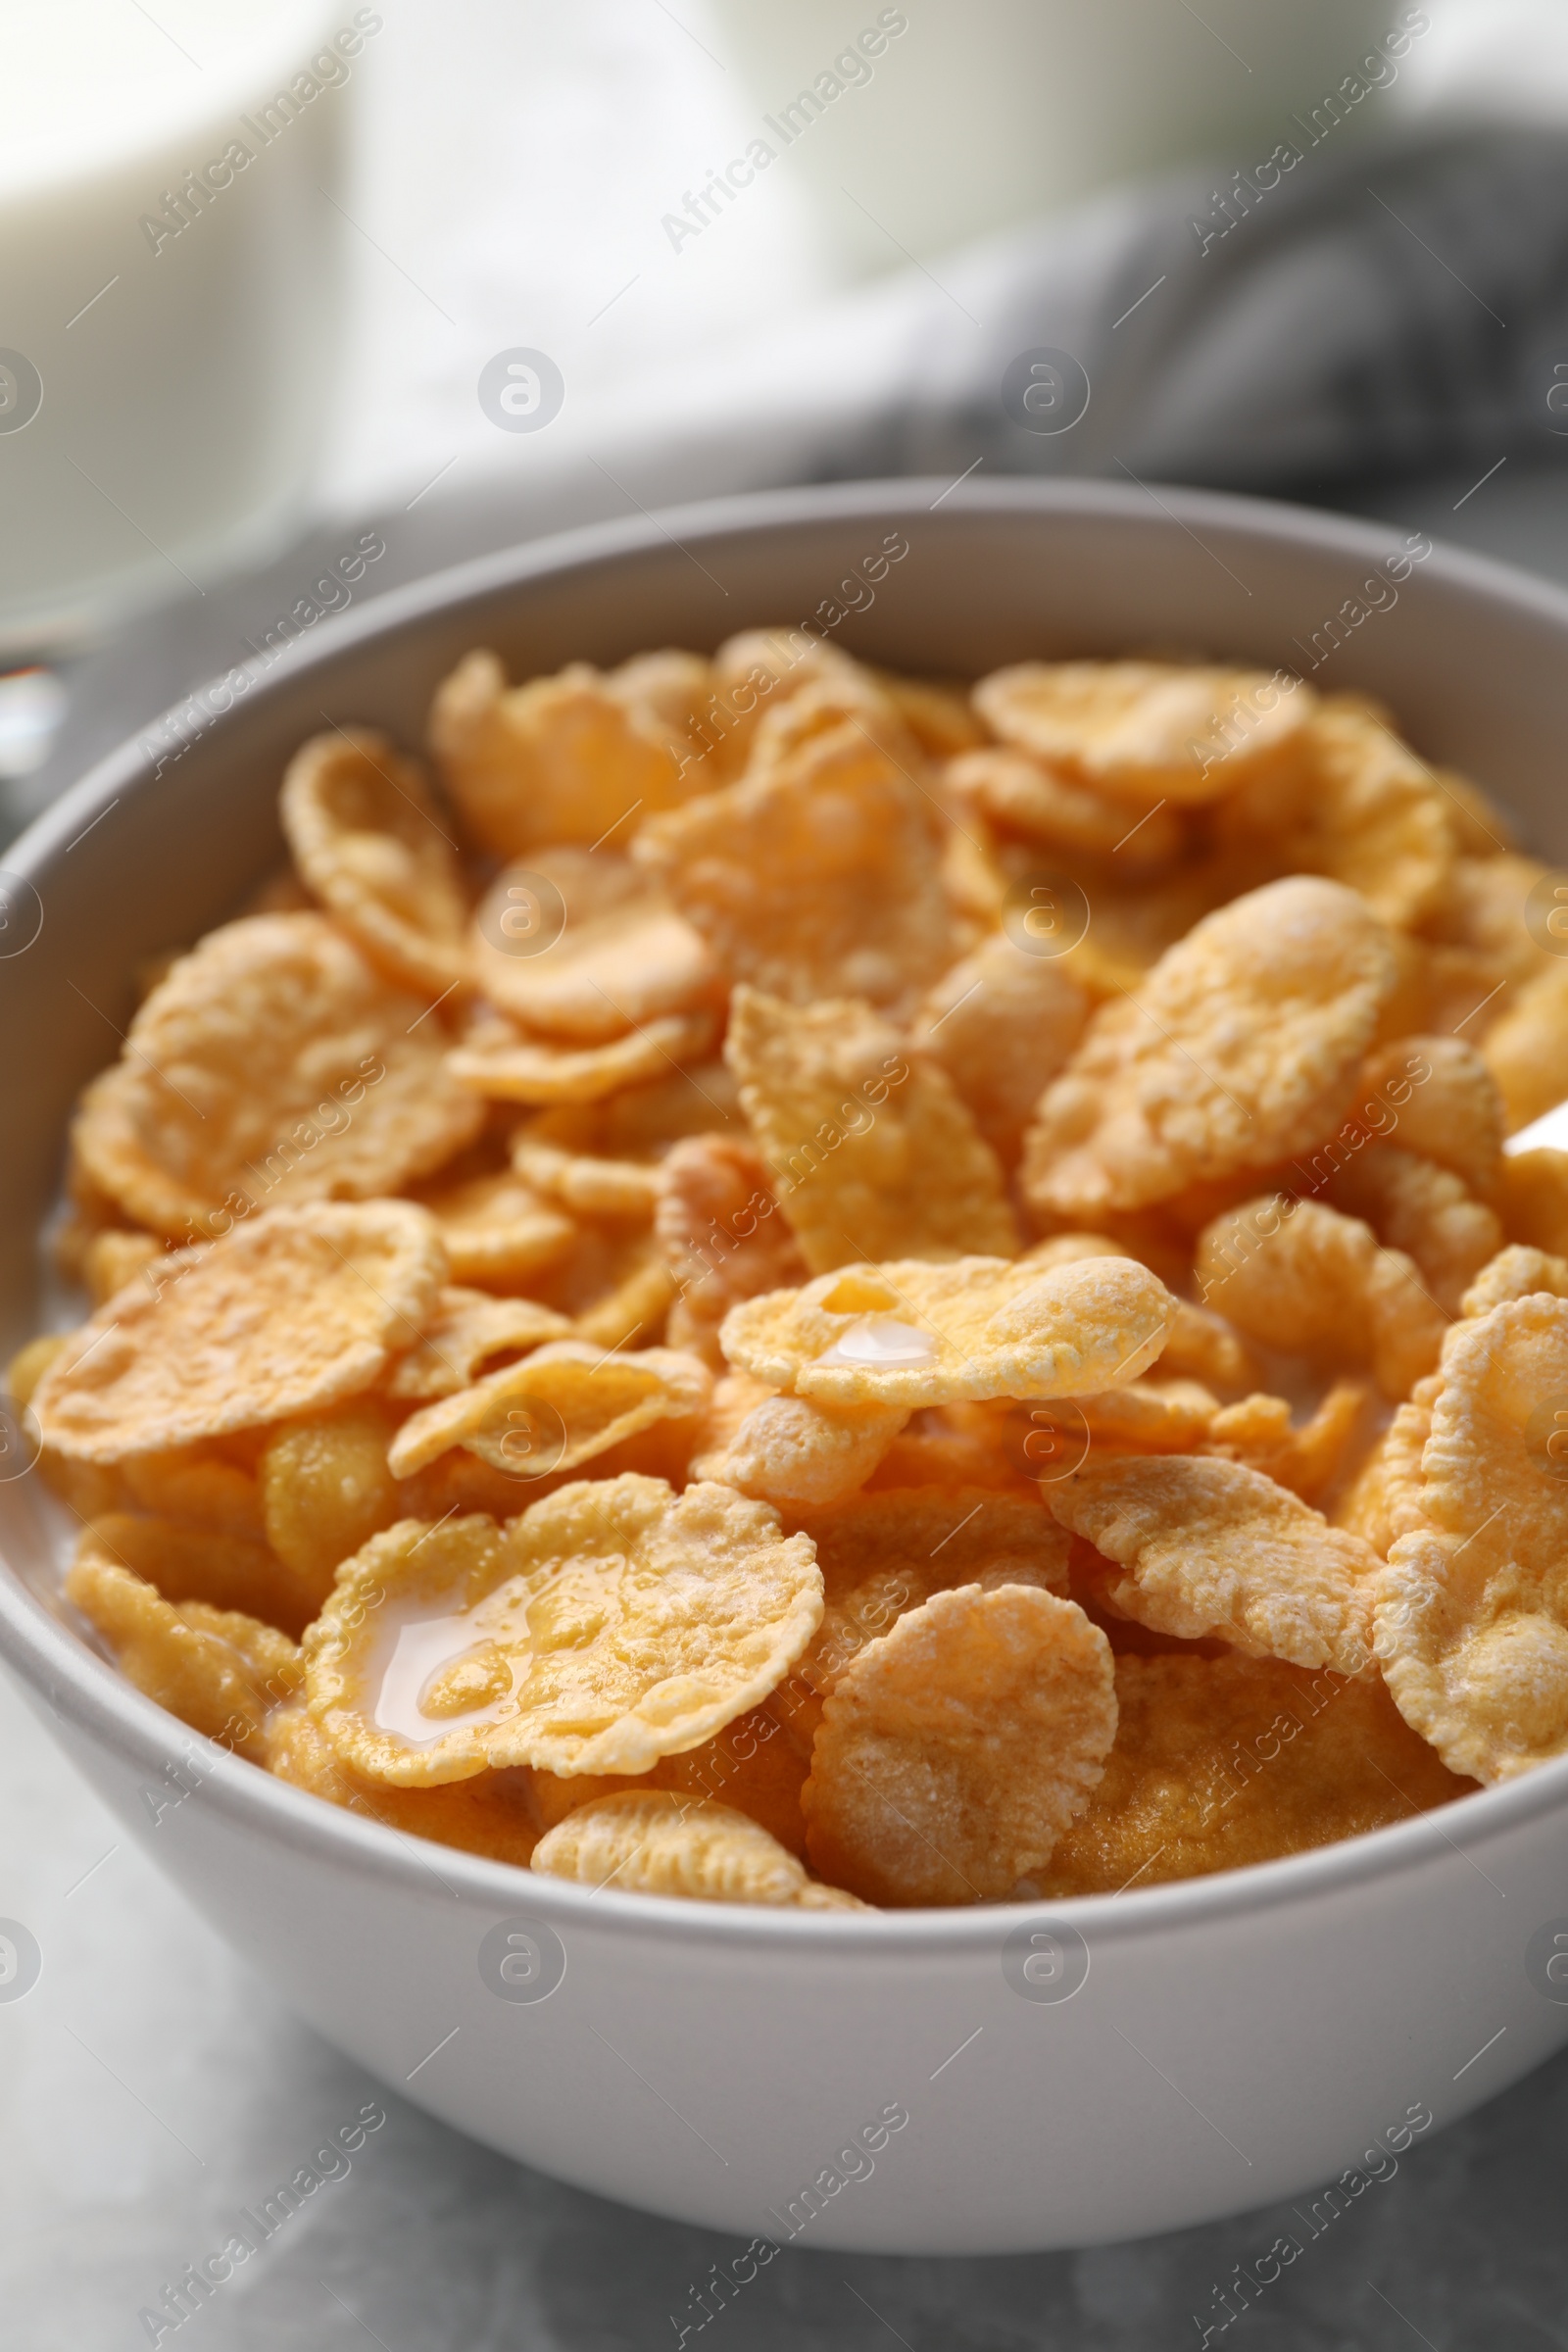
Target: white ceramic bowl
(1235,2038)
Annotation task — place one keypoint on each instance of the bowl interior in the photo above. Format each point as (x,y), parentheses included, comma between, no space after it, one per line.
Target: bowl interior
(168,836)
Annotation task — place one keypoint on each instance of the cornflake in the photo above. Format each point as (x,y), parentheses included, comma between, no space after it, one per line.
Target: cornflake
(1223,1762)
(915,1334)
(1261,1432)
(491,1815)
(1471,1618)
(870,1150)
(1526,1049)
(468,1332)
(1213,1550)
(273,1065)
(615,1623)
(495,1228)
(218,1670)
(1425,1211)
(1002,1024)
(496,1060)
(295,1311)
(1242,1049)
(1438,1097)
(1514,1273)
(955,1750)
(820,877)
(718,1225)
(1025,796)
(796,1450)
(1150,730)
(882,1554)
(1366,812)
(1384,1502)
(367,842)
(1303,1277)
(561,760)
(751,1765)
(325,1489)
(218,1566)
(624,956)
(561,1405)
(661,1843)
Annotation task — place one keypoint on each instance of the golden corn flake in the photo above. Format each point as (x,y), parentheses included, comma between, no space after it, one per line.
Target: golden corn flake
(634,1304)
(1471,1617)
(213,1483)
(820,878)
(274,1065)
(495,1228)
(1149,730)
(297,1310)
(327,1490)
(623,954)
(828,706)
(915,1334)
(1204,1347)
(218,1670)
(938,716)
(187,1562)
(1436,1096)
(561,760)
(1514,1273)
(1384,1502)
(1425,1210)
(718,1225)
(1526,1049)
(1365,812)
(368,843)
(466,1335)
(1531,1197)
(1024,795)
(956,1748)
(1296,1275)
(29,1364)
(870,1151)
(496,1061)
(1223,1762)
(752,1765)
(673,687)
(663,1844)
(1002,1024)
(491,1815)
(1243,1048)
(583,1182)
(797,1449)
(562,1404)
(881,1554)
(1213,1550)
(1004,1447)
(615,1623)
(1308,1459)
(1150,1416)
(112,1259)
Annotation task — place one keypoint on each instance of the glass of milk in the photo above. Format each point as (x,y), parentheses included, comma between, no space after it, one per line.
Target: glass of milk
(921,124)
(168,234)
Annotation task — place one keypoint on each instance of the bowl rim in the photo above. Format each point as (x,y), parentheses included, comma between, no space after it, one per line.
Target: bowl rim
(81,1688)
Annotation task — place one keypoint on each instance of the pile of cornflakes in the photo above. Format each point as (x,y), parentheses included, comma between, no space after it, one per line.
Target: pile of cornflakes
(797,1287)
